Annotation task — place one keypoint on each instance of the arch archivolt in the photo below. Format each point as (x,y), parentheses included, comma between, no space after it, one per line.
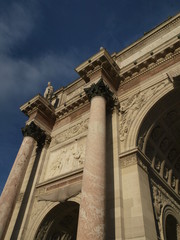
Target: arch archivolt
(164,205)
(134,109)
(39,211)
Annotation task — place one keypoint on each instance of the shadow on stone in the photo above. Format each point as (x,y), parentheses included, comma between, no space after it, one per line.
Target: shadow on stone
(109,214)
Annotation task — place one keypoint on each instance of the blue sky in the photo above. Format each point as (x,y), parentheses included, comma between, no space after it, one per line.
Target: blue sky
(43,40)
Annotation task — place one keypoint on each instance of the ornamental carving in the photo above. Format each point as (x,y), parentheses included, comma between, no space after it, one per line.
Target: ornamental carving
(130,108)
(71,132)
(66,159)
(133,159)
(157,202)
(32,130)
(161,199)
(100,89)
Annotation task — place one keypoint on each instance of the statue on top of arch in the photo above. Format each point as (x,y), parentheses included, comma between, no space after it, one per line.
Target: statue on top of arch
(49,92)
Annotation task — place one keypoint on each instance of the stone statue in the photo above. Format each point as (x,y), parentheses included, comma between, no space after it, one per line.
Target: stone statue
(49,92)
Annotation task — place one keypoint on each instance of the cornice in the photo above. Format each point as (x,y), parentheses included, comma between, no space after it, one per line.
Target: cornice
(38,103)
(75,175)
(150,60)
(150,35)
(100,61)
(72,105)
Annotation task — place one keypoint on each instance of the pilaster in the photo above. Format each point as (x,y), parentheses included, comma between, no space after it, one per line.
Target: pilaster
(137,203)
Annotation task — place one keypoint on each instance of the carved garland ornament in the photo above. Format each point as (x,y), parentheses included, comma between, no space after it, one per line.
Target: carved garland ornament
(73,131)
(130,108)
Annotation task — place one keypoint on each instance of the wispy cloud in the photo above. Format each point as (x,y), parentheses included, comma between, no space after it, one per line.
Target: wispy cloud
(20,77)
(15,25)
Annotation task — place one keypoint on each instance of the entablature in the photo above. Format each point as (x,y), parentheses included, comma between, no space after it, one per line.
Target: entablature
(150,60)
(72,105)
(100,61)
(38,103)
(39,110)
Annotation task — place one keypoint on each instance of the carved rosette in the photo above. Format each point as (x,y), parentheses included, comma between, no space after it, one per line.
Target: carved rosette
(100,89)
(32,130)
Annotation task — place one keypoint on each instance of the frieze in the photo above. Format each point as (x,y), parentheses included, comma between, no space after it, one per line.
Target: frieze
(75,93)
(71,132)
(130,108)
(66,159)
(130,160)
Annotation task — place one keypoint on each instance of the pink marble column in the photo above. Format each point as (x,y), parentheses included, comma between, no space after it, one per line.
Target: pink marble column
(91,224)
(16,176)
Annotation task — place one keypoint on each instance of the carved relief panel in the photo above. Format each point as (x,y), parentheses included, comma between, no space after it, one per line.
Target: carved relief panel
(130,107)
(66,159)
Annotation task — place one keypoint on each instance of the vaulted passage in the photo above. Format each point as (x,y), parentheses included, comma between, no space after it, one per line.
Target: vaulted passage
(159,139)
(60,223)
(163,149)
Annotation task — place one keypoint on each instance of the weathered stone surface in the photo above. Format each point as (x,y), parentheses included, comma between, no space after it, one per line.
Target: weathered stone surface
(92,208)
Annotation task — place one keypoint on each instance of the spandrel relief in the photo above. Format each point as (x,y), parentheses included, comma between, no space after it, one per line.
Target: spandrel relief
(130,108)
(66,159)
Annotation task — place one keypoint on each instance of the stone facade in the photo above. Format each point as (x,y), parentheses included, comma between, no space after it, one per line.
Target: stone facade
(100,158)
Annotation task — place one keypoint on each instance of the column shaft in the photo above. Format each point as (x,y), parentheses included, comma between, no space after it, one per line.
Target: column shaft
(13,184)
(91,223)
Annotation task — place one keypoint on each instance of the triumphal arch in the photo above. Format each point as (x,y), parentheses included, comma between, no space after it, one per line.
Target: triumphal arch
(100,158)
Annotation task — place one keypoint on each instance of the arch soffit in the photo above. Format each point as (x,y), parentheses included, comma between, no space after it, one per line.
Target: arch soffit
(131,141)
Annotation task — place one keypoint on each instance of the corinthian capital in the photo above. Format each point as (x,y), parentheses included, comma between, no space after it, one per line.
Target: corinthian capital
(100,89)
(32,130)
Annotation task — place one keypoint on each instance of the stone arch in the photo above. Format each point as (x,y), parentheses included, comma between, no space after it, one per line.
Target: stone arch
(59,223)
(157,135)
(159,138)
(41,215)
(42,211)
(170,223)
(149,100)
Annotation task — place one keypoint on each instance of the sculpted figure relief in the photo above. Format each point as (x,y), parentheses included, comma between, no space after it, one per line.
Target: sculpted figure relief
(66,159)
(130,108)
(157,202)
(49,92)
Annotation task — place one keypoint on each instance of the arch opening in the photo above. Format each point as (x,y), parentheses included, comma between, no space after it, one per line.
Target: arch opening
(60,223)
(172,228)
(159,138)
